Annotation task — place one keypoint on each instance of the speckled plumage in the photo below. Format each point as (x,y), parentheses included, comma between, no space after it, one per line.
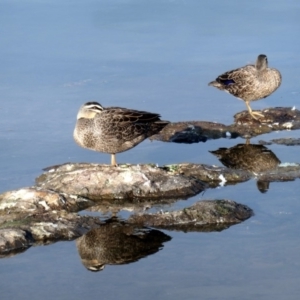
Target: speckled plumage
(250,83)
(114,129)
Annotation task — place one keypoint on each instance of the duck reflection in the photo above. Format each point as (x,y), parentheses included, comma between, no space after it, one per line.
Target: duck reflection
(254,158)
(116,243)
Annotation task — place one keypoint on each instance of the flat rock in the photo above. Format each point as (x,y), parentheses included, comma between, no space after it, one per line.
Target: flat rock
(130,184)
(98,182)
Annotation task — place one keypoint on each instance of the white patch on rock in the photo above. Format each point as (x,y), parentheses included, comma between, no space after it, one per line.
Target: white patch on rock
(223,180)
(44,204)
(288,125)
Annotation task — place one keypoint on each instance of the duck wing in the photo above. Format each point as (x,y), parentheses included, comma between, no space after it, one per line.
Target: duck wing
(127,125)
(124,115)
(237,76)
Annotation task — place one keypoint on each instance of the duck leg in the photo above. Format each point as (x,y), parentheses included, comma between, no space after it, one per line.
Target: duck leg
(113,160)
(253,113)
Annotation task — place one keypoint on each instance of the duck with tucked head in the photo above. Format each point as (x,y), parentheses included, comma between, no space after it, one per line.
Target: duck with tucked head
(114,129)
(250,83)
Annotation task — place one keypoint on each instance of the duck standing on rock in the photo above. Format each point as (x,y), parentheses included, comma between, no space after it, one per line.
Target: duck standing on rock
(250,83)
(114,129)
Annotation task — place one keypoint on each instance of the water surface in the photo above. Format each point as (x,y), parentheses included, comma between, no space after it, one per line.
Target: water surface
(157,56)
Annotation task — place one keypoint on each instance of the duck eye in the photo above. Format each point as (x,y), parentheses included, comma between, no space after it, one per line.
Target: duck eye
(95,107)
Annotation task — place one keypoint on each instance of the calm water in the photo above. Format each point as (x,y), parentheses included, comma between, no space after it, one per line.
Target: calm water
(156,56)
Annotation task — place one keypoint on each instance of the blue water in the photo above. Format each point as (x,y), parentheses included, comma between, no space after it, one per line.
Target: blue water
(157,56)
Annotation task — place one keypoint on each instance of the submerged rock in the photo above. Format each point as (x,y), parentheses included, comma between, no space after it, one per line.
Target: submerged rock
(98,182)
(284,172)
(282,141)
(116,243)
(197,217)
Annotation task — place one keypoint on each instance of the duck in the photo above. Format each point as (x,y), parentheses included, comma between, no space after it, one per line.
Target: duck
(250,83)
(114,129)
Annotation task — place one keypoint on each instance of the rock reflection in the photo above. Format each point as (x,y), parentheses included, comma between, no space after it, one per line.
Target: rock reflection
(112,208)
(255,158)
(116,243)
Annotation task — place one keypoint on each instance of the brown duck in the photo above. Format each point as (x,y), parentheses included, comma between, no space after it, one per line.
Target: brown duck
(114,129)
(250,83)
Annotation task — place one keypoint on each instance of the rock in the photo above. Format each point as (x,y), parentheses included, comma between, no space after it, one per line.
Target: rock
(24,230)
(212,175)
(13,241)
(283,141)
(113,207)
(265,143)
(197,217)
(37,199)
(285,172)
(60,226)
(287,141)
(98,182)
(215,176)
(127,185)
(193,132)
(278,118)
(46,213)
